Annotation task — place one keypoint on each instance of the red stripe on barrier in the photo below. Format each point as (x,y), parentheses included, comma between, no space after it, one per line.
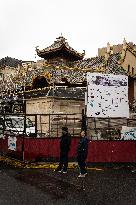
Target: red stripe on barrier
(98,151)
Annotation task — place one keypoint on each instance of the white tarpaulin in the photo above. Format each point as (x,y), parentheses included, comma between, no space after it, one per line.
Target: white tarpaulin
(107,95)
(128,133)
(12,143)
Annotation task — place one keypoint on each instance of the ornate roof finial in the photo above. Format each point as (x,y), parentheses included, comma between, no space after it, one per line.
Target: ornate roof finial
(108,47)
(124,40)
(84,52)
(61,35)
(36,48)
(124,43)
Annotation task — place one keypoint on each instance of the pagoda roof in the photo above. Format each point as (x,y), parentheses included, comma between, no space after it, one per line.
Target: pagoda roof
(60,44)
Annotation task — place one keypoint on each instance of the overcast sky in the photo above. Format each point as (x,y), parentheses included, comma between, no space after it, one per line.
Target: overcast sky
(87,25)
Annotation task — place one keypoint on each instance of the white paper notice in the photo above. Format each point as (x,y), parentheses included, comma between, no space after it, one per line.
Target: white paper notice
(12,143)
(107,95)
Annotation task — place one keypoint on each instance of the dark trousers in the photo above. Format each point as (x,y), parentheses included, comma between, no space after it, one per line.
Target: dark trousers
(63,161)
(81,164)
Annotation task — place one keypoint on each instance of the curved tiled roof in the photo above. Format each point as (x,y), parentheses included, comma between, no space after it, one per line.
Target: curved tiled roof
(91,62)
(100,61)
(113,65)
(57,45)
(76,73)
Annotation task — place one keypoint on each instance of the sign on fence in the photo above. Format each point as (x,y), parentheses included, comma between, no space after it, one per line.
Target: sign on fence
(107,95)
(128,133)
(12,143)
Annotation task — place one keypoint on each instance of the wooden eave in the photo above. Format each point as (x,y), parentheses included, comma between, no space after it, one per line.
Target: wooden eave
(48,54)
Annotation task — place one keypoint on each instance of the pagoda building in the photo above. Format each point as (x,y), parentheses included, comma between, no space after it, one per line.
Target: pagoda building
(57,83)
(60,51)
(62,71)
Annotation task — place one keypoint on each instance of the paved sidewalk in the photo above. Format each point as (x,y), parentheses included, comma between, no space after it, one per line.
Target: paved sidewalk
(105,186)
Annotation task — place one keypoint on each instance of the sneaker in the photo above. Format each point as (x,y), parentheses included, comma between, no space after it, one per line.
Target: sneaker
(60,171)
(64,172)
(81,175)
(57,170)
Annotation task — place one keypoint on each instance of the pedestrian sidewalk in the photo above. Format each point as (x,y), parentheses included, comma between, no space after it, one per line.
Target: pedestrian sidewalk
(39,165)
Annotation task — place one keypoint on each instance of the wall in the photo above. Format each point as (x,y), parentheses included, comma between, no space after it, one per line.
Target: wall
(130,59)
(39,106)
(115,48)
(135,88)
(131,89)
(50,105)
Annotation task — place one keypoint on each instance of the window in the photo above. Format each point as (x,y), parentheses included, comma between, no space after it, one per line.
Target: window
(18,122)
(132,71)
(29,123)
(128,68)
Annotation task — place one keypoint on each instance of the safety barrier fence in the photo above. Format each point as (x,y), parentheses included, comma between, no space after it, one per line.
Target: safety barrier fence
(47,149)
(39,138)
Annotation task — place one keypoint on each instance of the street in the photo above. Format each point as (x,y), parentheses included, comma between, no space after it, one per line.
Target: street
(107,186)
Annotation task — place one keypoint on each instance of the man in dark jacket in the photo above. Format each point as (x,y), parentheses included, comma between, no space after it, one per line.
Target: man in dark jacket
(65,143)
(82,151)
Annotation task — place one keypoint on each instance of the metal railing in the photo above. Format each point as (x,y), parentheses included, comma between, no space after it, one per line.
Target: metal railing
(107,128)
(16,128)
(40,125)
(49,125)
